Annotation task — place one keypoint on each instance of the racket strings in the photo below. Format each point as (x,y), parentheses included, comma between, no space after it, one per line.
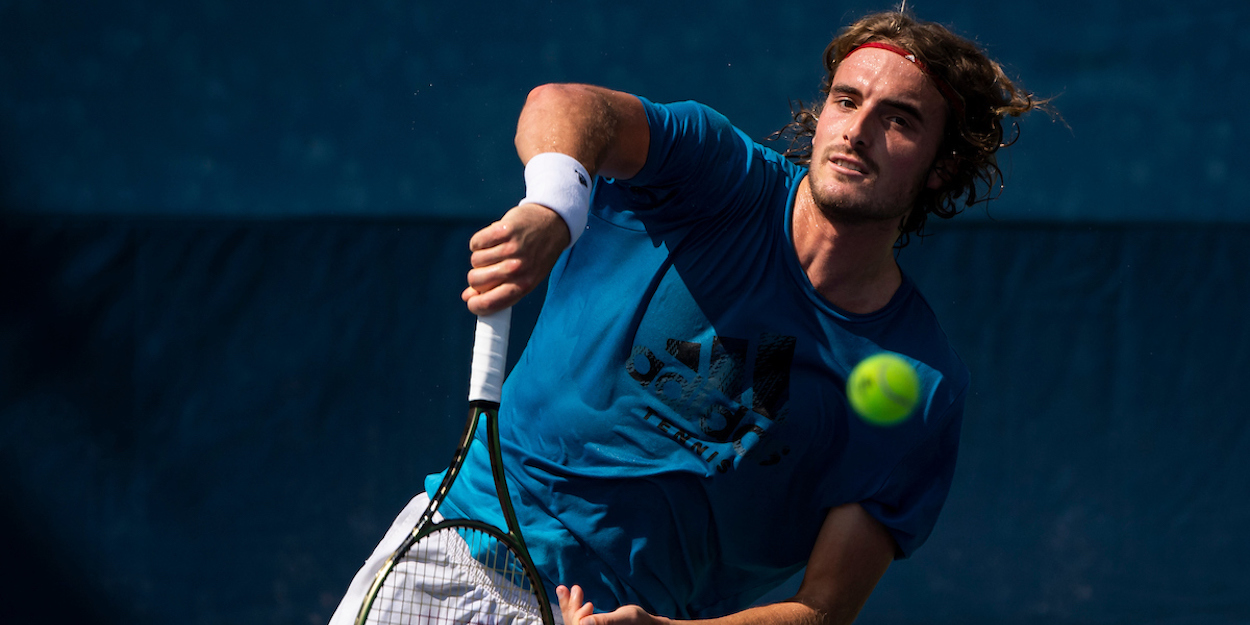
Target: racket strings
(457,576)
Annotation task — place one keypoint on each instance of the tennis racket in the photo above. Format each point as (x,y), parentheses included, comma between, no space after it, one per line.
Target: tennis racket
(424,581)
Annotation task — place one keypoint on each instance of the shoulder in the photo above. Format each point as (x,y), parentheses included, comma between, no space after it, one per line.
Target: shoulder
(930,342)
(690,140)
(687,113)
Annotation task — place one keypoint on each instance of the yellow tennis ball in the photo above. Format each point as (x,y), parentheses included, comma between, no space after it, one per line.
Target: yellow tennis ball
(883,389)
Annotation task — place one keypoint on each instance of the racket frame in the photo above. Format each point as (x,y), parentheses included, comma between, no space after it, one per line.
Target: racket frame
(478,409)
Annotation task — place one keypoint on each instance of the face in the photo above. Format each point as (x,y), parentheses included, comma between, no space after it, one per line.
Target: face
(876,139)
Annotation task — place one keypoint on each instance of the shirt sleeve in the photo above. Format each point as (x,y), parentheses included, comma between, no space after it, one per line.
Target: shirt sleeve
(909,501)
(697,164)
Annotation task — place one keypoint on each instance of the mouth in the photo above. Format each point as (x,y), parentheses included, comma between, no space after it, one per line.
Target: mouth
(848,165)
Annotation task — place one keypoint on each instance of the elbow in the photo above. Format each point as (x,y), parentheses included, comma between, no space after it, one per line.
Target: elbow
(555,118)
(554,99)
(539,118)
(553,93)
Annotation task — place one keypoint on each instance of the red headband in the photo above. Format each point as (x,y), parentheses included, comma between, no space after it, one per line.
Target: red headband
(952,97)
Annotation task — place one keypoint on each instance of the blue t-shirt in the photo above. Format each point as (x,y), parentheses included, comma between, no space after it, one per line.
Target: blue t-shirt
(677,427)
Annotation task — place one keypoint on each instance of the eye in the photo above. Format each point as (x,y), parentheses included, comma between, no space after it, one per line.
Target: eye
(901,122)
(845,103)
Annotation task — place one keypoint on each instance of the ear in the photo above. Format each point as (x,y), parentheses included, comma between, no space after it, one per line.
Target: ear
(943,171)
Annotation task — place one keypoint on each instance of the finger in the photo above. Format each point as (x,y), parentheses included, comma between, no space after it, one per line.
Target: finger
(490,236)
(494,300)
(570,604)
(493,254)
(491,276)
(496,249)
(585,612)
(512,273)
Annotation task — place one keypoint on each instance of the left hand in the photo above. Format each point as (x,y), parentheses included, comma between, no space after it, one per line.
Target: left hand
(578,611)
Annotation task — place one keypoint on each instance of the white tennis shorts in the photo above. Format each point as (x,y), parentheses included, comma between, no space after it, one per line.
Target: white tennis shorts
(461,594)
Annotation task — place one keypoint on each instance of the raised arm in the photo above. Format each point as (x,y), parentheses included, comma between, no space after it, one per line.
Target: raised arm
(851,554)
(606,131)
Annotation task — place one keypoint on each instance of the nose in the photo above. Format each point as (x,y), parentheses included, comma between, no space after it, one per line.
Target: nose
(855,131)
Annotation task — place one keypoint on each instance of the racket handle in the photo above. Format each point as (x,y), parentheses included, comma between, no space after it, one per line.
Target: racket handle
(490,354)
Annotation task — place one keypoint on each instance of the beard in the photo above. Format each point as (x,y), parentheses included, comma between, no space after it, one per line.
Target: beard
(860,205)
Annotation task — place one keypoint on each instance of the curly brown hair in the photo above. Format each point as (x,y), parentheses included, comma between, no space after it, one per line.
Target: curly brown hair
(968,148)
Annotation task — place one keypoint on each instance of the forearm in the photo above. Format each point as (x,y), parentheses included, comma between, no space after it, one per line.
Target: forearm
(605,130)
(790,612)
(783,613)
(851,554)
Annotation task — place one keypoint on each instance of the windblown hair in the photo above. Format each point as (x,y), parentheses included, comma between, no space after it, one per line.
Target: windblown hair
(970,142)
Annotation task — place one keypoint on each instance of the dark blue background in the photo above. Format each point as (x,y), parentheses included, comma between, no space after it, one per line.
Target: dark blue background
(232,238)
(323,107)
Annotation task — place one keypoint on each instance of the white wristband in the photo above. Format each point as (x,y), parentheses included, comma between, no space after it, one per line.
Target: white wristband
(559,182)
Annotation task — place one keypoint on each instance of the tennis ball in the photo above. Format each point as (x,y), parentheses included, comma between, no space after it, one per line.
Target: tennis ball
(883,389)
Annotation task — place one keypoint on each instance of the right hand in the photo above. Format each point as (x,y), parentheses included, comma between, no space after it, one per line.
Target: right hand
(512,256)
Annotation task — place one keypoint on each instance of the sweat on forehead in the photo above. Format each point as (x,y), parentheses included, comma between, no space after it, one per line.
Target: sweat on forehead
(951,96)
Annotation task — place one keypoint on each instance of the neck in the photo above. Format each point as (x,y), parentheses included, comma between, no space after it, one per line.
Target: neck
(851,265)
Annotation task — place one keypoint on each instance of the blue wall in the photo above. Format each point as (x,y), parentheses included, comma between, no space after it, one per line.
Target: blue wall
(232,239)
(228,414)
(319,107)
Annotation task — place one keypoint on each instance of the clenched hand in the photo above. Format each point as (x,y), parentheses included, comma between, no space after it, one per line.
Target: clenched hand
(512,256)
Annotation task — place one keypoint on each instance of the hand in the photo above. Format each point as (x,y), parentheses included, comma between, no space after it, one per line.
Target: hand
(578,613)
(572,607)
(512,256)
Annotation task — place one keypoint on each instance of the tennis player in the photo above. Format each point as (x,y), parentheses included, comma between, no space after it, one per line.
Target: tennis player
(677,436)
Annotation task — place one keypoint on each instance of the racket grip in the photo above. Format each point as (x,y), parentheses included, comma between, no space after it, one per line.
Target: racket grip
(490,354)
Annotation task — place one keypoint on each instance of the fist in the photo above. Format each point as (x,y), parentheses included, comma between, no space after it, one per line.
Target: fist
(512,256)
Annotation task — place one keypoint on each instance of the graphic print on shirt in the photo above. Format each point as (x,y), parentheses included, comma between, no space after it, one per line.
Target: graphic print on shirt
(728,399)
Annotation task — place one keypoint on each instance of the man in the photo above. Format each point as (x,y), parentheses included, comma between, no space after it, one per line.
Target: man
(677,435)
